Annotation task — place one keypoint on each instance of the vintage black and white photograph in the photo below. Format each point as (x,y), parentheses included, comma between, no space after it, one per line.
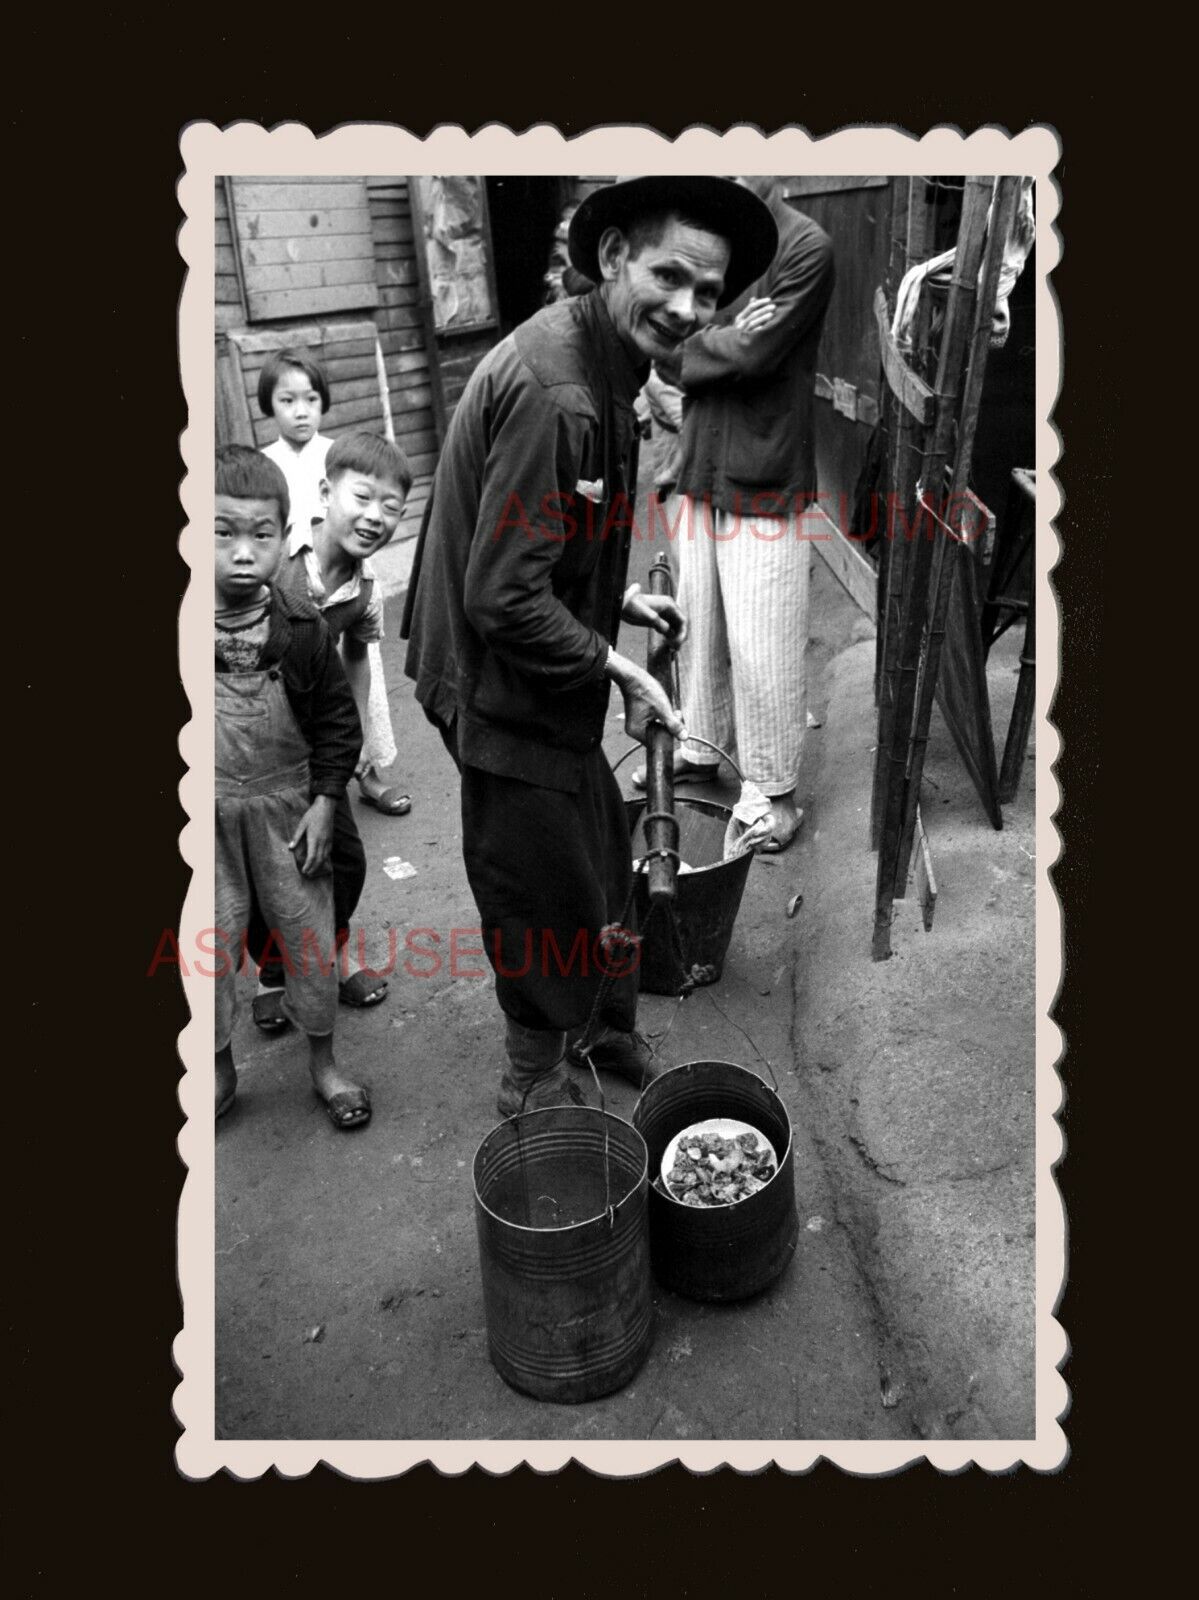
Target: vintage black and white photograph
(619,770)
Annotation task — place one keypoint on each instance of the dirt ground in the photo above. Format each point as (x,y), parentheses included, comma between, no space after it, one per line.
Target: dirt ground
(907,1310)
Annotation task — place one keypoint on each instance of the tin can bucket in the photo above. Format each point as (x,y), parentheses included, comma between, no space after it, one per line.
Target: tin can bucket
(562,1219)
(718,1252)
(706,904)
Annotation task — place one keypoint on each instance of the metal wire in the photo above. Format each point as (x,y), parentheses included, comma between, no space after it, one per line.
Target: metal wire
(746,1037)
(694,738)
(689,738)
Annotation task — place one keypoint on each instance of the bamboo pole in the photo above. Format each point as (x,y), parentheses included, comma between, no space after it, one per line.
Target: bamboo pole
(907,247)
(948,553)
(384,390)
(971,234)
(895,568)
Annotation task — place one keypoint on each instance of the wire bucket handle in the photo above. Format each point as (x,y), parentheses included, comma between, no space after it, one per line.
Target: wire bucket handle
(691,738)
(517,1117)
(753,1044)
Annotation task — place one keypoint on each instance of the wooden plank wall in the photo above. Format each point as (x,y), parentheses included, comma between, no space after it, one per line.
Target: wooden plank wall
(854,212)
(230,312)
(306,246)
(401,333)
(344,341)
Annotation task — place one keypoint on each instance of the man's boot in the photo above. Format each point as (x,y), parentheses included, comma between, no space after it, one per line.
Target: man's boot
(534,1078)
(624,1054)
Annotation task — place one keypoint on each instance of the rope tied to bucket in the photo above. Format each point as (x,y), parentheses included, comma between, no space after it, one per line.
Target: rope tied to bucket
(748,1039)
(662,852)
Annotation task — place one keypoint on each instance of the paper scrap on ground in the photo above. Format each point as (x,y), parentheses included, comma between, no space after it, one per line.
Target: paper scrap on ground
(394,867)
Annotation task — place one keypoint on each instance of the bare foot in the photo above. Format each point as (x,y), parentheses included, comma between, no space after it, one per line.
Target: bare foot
(348,1104)
(787,820)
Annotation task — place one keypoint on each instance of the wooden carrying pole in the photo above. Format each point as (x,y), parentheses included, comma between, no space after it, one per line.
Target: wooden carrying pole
(958,321)
(948,550)
(661,824)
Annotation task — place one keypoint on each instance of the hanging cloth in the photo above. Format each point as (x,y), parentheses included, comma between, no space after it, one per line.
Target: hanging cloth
(939,270)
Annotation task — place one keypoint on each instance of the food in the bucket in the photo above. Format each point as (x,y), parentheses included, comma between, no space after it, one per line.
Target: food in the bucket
(718,1163)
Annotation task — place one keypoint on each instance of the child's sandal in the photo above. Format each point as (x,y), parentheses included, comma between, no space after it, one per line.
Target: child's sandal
(361,990)
(268,1013)
(348,1109)
(391,802)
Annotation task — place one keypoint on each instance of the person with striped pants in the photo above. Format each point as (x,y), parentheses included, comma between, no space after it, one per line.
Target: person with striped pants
(746,472)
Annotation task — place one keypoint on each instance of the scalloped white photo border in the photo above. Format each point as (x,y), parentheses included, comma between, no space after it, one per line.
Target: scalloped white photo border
(247,148)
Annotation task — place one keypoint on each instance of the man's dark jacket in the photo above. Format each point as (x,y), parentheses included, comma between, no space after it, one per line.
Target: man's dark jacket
(748,415)
(520,566)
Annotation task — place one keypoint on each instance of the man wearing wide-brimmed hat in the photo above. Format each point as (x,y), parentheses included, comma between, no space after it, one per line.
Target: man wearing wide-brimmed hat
(517,594)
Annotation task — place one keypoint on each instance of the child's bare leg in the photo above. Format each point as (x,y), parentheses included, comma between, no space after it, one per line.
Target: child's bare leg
(347,1103)
(226,1080)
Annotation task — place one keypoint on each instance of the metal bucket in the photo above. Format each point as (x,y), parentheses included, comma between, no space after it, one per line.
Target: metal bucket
(706,900)
(718,1252)
(564,1251)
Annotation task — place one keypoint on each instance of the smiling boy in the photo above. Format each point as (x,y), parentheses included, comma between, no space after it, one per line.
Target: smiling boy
(366,482)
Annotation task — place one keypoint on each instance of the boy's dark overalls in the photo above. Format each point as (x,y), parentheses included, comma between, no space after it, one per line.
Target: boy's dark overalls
(262,792)
(348,857)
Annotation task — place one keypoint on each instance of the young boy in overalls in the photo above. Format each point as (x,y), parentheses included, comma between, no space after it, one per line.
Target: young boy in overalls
(287,741)
(367,479)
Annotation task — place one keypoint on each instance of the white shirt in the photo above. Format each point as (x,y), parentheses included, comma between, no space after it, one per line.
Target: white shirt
(303,469)
(369,626)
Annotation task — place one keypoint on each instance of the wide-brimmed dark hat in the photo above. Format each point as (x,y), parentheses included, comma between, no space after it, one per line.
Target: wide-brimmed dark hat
(718,204)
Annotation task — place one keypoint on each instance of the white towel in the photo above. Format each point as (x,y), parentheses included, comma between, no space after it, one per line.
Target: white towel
(751,823)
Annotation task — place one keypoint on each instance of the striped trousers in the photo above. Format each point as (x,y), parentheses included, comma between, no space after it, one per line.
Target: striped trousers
(743,586)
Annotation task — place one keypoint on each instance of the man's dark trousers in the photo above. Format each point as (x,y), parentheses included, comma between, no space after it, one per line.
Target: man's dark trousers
(548,870)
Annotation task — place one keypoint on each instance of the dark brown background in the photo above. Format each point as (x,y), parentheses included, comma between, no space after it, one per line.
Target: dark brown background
(93,1110)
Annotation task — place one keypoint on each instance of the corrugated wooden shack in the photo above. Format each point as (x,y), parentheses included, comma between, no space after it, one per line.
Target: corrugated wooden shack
(435,269)
(330,264)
